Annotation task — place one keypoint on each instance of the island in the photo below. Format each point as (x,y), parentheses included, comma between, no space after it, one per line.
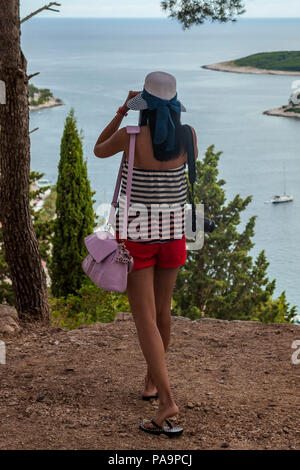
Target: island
(292,109)
(41,98)
(274,63)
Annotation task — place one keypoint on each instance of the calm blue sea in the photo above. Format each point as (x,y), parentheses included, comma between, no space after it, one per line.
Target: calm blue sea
(91,64)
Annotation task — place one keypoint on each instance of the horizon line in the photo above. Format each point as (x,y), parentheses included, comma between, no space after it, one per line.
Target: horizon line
(167,18)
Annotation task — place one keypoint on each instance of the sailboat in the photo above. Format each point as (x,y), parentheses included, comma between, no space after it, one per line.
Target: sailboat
(283,197)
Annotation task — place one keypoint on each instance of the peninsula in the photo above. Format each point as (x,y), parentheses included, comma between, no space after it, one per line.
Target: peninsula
(41,98)
(285,111)
(274,63)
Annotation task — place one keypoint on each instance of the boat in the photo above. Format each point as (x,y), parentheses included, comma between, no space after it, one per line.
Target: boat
(283,198)
(43,182)
(279,198)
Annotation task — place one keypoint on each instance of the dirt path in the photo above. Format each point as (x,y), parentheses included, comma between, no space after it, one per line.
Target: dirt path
(234,383)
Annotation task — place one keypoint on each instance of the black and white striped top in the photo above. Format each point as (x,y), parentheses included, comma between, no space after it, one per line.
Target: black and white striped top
(157,202)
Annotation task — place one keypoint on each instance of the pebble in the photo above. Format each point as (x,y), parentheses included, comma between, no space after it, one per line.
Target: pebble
(224,445)
(190,405)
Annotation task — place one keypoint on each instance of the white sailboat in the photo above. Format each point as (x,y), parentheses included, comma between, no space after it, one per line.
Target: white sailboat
(283,197)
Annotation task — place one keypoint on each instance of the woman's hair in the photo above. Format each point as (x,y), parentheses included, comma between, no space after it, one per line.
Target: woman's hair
(160,153)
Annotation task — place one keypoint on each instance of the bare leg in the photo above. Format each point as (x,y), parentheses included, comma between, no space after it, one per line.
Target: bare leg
(164,281)
(140,290)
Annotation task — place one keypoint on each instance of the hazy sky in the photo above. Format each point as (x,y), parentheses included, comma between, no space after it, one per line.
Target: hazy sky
(150,8)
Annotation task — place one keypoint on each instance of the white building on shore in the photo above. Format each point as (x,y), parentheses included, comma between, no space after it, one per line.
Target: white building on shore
(295,98)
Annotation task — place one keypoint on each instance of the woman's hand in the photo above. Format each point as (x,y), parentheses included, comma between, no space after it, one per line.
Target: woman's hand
(131,94)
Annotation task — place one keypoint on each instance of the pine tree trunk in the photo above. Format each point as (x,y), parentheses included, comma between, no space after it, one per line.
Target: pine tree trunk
(20,242)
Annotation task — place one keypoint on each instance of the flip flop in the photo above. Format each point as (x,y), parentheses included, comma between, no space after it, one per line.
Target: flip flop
(168,430)
(150,396)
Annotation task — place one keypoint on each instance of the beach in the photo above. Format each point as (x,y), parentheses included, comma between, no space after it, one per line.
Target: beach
(50,103)
(281,112)
(229,66)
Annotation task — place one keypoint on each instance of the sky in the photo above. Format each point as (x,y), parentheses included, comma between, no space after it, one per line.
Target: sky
(150,8)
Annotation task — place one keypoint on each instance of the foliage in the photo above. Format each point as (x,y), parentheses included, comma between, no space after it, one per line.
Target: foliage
(75,217)
(43,219)
(279,60)
(43,226)
(190,12)
(292,110)
(88,305)
(276,311)
(221,280)
(43,95)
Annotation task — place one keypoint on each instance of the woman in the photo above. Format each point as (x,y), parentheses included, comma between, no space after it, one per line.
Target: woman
(158,176)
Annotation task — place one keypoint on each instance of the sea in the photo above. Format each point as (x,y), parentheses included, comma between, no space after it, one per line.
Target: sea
(92,63)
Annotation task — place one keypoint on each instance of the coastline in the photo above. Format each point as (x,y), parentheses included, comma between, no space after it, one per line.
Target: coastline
(229,67)
(49,104)
(280,112)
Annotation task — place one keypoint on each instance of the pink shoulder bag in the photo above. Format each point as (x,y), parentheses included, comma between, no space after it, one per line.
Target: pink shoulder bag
(108,261)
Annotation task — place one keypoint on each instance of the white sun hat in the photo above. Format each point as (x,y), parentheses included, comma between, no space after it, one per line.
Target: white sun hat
(159,84)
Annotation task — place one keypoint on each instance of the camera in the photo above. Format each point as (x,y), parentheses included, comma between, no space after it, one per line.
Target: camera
(209,225)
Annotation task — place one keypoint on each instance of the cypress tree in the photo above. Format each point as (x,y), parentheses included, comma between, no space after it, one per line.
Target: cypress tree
(221,280)
(75,218)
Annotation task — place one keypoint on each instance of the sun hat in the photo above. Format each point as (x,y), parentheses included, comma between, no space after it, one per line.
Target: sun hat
(160,84)
(159,92)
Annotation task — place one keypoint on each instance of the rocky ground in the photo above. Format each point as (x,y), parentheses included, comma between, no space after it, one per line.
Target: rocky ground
(234,382)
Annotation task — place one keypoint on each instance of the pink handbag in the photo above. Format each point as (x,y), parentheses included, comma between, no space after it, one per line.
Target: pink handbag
(108,261)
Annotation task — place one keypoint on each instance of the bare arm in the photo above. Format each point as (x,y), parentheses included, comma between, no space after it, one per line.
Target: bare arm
(110,129)
(112,139)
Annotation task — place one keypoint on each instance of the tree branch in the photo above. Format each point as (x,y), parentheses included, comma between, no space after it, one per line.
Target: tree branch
(36,128)
(46,7)
(32,75)
(194,12)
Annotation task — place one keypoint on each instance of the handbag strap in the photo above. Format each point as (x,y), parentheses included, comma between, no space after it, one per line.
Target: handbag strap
(192,172)
(132,130)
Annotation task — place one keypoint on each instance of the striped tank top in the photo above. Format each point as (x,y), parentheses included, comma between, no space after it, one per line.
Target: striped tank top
(157,204)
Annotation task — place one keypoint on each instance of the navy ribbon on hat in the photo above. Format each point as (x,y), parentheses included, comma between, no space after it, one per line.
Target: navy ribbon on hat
(164,128)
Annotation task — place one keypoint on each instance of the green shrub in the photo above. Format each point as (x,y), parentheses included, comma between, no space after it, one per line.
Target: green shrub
(278,60)
(31,90)
(88,306)
(44,95)
(292,110)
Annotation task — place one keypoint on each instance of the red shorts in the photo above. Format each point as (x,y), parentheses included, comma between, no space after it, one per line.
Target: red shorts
(166,255)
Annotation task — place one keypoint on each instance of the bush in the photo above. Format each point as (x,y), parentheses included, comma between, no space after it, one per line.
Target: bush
(88,306)
(292,110)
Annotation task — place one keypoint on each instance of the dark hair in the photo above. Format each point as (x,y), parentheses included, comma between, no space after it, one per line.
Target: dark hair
(159,150)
